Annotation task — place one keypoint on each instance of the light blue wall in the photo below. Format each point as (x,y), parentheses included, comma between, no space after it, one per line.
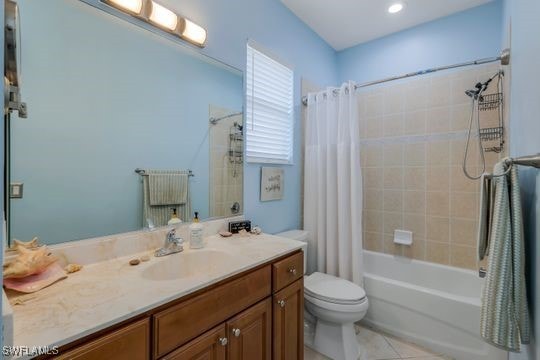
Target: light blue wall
(523,18)
(230,24)
(104,98)
(272,25)
(461,37)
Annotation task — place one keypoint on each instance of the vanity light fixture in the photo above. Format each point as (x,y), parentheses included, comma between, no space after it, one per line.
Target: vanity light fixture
(395,8)
(163,18)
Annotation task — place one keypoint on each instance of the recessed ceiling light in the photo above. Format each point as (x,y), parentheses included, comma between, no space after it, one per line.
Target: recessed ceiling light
(394,8)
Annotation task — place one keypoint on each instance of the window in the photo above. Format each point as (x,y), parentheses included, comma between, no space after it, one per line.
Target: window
(269,109)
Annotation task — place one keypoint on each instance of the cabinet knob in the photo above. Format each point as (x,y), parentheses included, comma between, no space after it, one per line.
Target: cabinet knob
(292,270)
(236,332)
(281,303)
(223,341)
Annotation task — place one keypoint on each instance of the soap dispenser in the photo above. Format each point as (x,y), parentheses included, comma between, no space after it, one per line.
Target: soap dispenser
(174,218)
(196,233)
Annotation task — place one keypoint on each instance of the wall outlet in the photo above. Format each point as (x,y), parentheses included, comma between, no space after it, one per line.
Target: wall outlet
(16,190)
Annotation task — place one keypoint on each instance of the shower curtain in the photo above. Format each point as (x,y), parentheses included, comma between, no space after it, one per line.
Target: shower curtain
(333,184)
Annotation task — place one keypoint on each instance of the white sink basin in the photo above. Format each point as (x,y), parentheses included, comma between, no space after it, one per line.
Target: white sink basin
(188,264)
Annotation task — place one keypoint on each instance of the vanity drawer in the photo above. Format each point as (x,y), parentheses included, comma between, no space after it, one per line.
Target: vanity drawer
(287,271)
(131,342)
(180,323)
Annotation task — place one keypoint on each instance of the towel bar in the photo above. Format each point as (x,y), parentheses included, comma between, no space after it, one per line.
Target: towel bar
(142,172)
(529,160)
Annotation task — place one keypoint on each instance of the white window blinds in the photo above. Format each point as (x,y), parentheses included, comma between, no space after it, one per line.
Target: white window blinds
(269,109)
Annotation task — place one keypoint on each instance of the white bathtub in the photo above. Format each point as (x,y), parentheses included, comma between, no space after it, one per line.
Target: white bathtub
(433,305)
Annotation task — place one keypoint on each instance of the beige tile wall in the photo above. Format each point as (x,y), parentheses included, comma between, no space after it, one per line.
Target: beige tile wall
(226,178)
(413,141)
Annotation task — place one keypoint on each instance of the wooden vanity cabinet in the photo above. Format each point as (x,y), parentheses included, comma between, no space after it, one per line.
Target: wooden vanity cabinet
(247,336)
(257,315)
(178,324)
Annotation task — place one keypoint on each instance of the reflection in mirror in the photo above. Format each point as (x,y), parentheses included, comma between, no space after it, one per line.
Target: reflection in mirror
(226,157)
(106,97)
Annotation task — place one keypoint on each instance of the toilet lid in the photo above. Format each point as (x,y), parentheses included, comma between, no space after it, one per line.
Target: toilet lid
(332,289)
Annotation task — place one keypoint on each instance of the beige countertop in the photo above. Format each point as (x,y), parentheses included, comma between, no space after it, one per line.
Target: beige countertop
(108,292)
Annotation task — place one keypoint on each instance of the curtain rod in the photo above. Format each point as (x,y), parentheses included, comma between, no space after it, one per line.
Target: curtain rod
(504,58)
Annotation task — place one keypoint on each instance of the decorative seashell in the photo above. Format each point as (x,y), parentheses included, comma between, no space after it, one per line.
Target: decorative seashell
(71,268)
(256,230)
(134,262)
(32,244)
(145,258)
(243,232)
(224,233)
(28,262)
(33,283)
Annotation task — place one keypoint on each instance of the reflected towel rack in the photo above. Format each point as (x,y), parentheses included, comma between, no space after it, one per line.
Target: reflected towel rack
(142,172)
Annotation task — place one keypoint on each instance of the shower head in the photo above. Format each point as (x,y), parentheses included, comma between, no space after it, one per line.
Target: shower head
(238,126)
(471,93)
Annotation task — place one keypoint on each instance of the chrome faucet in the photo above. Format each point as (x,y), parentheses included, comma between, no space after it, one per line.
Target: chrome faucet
(172,245)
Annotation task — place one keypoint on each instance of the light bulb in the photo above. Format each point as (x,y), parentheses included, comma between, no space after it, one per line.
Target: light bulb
(194,32)
(134,6)
(164,17)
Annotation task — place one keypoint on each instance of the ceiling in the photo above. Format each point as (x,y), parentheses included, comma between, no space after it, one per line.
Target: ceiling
(345,23)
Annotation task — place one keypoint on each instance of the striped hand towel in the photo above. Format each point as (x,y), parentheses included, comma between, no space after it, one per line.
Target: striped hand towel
(161,214)
(504,318)
(167,187)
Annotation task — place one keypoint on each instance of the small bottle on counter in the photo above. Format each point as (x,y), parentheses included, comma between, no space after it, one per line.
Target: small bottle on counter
(174,218)
(196,233)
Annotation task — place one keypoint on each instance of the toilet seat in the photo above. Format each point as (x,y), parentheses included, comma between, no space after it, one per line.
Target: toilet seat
(339,308)
(333,289)
(333,293)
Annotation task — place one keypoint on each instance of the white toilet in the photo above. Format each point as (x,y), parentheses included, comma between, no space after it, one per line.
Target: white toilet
(336,305)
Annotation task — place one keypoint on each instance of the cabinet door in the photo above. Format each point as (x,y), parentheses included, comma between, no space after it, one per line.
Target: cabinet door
(132,342)
(211,345)
(289,322)
(250,333)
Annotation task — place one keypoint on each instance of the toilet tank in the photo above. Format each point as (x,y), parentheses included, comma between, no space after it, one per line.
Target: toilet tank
(299,235)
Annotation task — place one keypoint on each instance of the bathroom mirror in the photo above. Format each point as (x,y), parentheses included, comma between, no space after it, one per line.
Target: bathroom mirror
(106,97)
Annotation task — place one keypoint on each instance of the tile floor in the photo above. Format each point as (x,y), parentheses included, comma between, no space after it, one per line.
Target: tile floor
(379,346)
